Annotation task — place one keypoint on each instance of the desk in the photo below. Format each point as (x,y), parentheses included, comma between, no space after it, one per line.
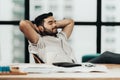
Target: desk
(113,74)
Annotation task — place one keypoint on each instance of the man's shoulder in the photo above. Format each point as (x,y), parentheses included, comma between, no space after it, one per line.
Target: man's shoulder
(62,34)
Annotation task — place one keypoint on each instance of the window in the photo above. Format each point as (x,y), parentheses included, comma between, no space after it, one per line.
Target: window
(12,43)
(110,39)
(111,26)
(83,40)
(97,24)
(92,18)
(13,11)
(110,10)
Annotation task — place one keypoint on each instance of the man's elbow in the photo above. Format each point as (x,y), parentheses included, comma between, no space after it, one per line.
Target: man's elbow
(71,21)
(22,25)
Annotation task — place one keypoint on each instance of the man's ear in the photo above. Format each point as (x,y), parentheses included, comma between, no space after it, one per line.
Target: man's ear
(41,28)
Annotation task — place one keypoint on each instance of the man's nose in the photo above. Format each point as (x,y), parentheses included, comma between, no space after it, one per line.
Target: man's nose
(55,25)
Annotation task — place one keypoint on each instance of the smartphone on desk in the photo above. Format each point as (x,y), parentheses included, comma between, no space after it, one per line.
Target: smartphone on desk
(66,64)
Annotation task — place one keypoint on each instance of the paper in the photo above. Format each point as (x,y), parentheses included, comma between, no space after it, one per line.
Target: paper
(45,68)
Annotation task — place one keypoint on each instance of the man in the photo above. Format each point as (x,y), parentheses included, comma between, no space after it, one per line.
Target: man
(45,40)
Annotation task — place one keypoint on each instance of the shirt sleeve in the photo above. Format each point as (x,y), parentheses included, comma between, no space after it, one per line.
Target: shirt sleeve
(34,48)
(62,35)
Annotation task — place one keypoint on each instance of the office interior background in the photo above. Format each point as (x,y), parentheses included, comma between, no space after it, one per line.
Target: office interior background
(97,26)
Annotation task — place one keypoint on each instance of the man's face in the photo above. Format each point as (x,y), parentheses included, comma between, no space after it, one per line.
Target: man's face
(50,25)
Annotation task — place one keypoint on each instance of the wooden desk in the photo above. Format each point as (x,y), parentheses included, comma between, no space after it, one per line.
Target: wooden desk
(113,74)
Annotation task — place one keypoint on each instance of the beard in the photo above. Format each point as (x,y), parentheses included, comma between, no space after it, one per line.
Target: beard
(47,32)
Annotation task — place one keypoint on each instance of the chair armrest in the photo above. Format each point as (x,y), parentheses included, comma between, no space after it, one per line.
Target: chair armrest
(37,59)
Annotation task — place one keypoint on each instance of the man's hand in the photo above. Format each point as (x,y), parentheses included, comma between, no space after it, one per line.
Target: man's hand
(66,25)
(32,25)
(36,28)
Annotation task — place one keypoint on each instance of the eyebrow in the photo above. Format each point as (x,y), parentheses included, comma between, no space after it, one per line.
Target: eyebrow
(51,21)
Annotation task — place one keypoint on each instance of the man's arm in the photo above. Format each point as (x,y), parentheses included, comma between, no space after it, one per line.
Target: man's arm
(67,25)
(29,30)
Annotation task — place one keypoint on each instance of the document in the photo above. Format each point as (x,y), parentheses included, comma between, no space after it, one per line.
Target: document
(46,68)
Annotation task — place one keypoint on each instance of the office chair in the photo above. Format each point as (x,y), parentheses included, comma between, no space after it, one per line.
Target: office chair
(107,57)
(37,59)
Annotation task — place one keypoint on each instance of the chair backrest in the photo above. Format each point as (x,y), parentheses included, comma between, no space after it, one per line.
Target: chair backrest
(37,59)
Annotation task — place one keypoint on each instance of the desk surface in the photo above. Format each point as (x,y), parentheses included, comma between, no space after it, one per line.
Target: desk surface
(113,74)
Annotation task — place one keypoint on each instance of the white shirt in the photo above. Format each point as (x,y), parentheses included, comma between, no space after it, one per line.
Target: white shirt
(53,49)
